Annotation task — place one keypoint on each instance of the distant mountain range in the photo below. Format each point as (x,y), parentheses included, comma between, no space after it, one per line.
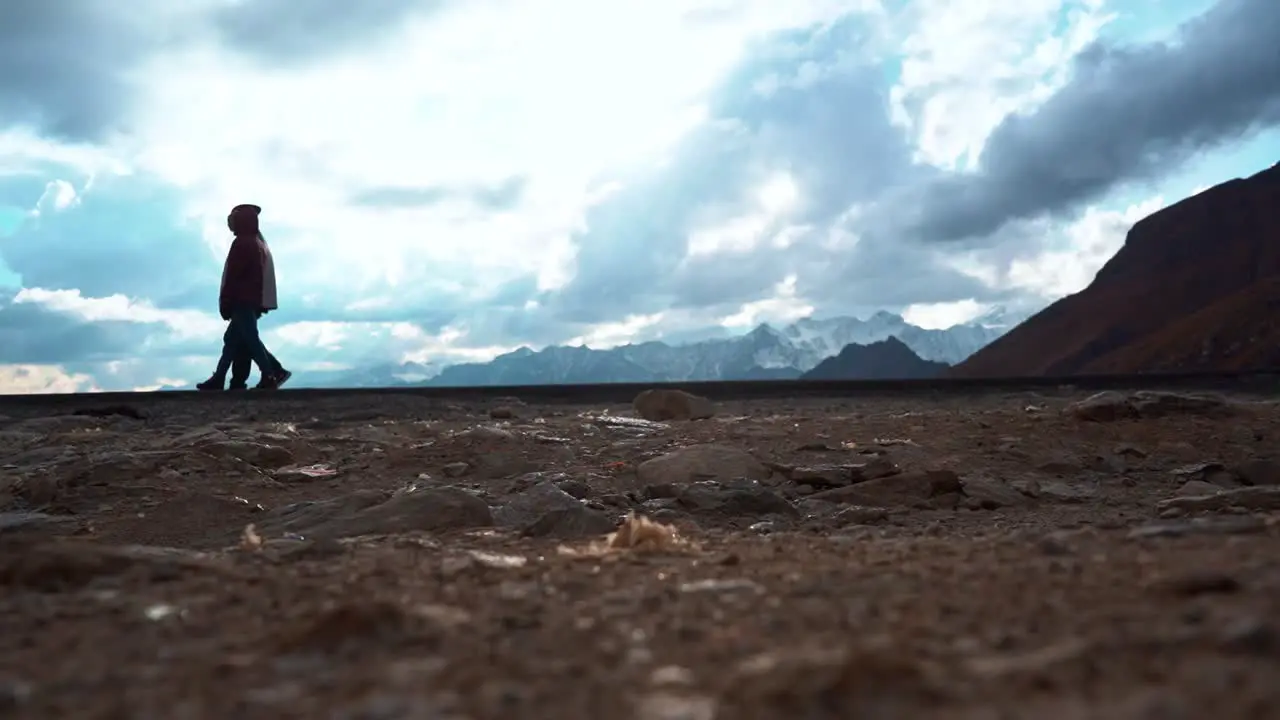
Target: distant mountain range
(888,359)
(764,353)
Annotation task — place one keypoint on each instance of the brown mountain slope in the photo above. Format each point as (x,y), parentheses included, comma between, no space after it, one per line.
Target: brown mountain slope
(1193,288)
(888,359)
(1240,332)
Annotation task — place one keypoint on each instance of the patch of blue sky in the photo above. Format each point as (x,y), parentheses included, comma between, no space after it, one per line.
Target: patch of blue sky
(1211,167)
(1146,21)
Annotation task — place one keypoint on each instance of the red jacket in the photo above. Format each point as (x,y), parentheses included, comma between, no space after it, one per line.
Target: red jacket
(242,276)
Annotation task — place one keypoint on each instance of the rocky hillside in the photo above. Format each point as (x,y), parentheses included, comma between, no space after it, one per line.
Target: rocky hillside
(1195,287)
(889,359)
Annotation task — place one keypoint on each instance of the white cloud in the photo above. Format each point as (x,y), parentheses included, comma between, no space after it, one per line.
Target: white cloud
(315,334)
(943,315)
(967,65)
(417,345)
(1046,260)
(24,152)
(775,199)
(58,196)
(309,342)
(557,92)
(28,379)
(162,383)
(608,335)
(783,307)
(1089,243)
(184,324)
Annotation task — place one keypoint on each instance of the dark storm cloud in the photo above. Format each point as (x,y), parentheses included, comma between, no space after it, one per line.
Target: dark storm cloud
(287,31)
(497,197)
(64,64)
(31,334)
(1128,113)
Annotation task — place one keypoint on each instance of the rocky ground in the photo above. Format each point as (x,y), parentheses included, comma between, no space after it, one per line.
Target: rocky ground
(986,556)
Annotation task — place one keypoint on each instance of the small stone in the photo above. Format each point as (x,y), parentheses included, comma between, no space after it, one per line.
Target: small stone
(1201,526)
(1199,583)
(1210,472)
(858,515)
(1124,449)
(1054,545)
(906,489)
(259,454)
(1252,636)
(487,432)
(1252,498)
(1105,406)
(455,469)
(671,706)
(822,476)
(525,508)
(1195,488)
(571,524)
(714,585)
(701,462)
(502,412)
(13,694)
(1259,472)
(992,493)
(575,488)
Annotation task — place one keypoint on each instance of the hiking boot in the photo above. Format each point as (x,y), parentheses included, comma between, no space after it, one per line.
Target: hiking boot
(273,382)
(213,383)
(238,386)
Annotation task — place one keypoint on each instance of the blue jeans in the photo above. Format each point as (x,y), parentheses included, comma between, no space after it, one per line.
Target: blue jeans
(240,363)
(241,339)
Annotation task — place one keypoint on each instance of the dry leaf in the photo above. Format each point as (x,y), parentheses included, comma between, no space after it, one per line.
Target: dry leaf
(636,534)
(250,539)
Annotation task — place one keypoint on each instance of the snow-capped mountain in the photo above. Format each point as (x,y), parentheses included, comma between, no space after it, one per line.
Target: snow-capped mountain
(825,338)
(376,375)
(763,353)
(1001,318)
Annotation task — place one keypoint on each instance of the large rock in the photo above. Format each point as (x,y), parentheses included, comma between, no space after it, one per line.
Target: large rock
(992,493)
(733,498)
(527,506)
(272,457)
(1110,406)
(1106,406)
(663,405)
(1259,471)
(1249,498)
(906,489)
(571,523)
(701,462)
(374,513)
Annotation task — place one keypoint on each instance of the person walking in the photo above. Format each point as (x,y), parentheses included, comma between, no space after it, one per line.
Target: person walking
(242,363)
(248,291)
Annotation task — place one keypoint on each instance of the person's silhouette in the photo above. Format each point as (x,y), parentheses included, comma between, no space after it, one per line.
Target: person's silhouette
(248,291)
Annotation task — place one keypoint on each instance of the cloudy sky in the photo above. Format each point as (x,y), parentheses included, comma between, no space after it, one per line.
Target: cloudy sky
(445,180)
